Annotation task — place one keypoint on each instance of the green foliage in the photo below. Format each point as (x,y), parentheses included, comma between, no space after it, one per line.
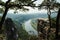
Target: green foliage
(51,4)
(34,23)
(1,10)
(52,36)
(23,34)
(33,37)
(19,4)
(53,22)
(22,1)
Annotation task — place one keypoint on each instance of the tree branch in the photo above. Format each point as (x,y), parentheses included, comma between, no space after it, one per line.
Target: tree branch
(2,4)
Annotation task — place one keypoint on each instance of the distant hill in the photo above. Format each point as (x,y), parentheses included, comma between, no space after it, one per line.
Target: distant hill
(21,18)
(24,17)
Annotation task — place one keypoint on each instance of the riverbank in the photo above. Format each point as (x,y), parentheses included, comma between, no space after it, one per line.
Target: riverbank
(34,22)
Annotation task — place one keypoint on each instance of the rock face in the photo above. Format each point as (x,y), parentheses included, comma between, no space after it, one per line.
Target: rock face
(11,31)
(42,28)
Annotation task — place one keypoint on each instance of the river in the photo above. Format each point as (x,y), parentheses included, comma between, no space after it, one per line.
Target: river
(29,28)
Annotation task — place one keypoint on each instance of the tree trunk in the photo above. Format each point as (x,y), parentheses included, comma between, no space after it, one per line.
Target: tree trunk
(3,18)
(5,13)
(49,17)
(57,25)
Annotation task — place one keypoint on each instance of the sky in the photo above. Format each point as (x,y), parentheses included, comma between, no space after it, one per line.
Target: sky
(31,10)
(58,1)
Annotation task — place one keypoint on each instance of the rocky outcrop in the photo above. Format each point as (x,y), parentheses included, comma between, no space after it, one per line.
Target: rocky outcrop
(11,31)
(42,28)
